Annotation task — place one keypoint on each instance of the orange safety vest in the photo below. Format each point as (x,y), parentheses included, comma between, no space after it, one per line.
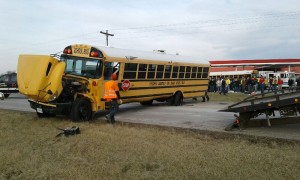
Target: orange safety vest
(110,89)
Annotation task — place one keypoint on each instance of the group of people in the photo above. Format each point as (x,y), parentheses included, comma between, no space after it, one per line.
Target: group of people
(249,85)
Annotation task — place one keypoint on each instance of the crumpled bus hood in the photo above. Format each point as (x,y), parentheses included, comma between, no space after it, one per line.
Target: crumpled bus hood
(40,77)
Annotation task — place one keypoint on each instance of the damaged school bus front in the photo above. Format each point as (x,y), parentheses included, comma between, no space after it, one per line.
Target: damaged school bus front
(40,79)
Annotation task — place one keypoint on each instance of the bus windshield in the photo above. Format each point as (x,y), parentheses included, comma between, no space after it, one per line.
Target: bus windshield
(90,68)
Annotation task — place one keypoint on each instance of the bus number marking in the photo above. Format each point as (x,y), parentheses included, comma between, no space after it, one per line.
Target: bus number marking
(81,51)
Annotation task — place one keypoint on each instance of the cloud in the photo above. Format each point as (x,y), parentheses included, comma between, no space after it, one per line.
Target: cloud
(228,29)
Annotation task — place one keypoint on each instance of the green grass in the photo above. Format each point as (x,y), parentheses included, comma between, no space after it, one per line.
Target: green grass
(30,150)
(229,97)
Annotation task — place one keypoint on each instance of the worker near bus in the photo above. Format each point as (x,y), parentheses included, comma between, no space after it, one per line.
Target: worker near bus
(112,96)
(280,83)
(262,82)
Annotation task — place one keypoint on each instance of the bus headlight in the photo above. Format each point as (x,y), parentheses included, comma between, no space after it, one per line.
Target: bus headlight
(53,96)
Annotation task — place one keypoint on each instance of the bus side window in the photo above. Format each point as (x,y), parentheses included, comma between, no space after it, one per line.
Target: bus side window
(194,72)
(181,71)
(175,72)
(199,74)
(142,71)
(160,71)
(188,72)
(168,72)
(205,72)
(151,71)
(130,71)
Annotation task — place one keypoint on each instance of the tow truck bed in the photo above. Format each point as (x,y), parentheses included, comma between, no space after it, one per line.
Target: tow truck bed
(288,104)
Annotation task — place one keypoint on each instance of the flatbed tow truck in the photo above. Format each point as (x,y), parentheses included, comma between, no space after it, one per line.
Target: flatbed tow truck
(287,104)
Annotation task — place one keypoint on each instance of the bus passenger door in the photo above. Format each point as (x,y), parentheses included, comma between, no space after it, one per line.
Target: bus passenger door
(110,68)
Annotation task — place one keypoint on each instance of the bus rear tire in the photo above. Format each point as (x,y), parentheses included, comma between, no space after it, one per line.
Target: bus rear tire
(6,95)
(81,110)
(178,99)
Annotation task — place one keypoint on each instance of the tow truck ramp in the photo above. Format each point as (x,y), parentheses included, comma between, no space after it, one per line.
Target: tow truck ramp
(287,104)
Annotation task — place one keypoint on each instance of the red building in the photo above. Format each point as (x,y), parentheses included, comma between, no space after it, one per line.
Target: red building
(292,65)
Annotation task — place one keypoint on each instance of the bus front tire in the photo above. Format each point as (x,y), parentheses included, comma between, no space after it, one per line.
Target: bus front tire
(147,103)
(178,99)
(6,95)
(81,110)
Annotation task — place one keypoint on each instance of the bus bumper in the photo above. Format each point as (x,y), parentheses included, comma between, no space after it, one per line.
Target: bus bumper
(45,108)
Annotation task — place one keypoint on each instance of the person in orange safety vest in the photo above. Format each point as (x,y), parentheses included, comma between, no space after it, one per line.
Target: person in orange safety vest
(112,96)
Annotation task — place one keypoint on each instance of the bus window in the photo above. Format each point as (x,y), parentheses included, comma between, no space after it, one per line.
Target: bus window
(205,72)
(194,72)
(151,71)
(175,72)
(199,74)
(142,71)
(130,71)
(110,68)
(188,72)
(160,71)
(168,72)
(181,71)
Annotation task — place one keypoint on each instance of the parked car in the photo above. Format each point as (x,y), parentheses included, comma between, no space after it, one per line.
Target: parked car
(8,84)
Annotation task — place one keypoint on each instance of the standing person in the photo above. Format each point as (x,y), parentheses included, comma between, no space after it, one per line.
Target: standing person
(249,83)
(210,85)
(255,84)
(219,84)
(236,85)
(227,84)
(291,83)
(275,84)
(111,95)
(271,84)
(262,85)
(223,87)
(280,83)
(243,83)
(214,84)
(298,83)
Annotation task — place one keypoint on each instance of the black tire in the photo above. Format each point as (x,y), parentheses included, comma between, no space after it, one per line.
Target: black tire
(6,95)
(178,99)
(147,103)
(81,110)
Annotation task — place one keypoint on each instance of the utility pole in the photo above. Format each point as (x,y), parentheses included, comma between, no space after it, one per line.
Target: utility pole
(106,34)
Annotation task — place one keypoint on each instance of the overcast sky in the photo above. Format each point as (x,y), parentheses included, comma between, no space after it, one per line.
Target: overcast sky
(208,29)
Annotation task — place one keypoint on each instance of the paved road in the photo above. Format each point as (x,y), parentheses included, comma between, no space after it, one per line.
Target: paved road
(192,115)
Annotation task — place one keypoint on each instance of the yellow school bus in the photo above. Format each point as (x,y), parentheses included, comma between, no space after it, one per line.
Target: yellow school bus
(73,83)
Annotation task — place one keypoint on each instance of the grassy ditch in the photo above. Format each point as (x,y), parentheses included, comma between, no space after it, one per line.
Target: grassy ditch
(229,97)
(30,150)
